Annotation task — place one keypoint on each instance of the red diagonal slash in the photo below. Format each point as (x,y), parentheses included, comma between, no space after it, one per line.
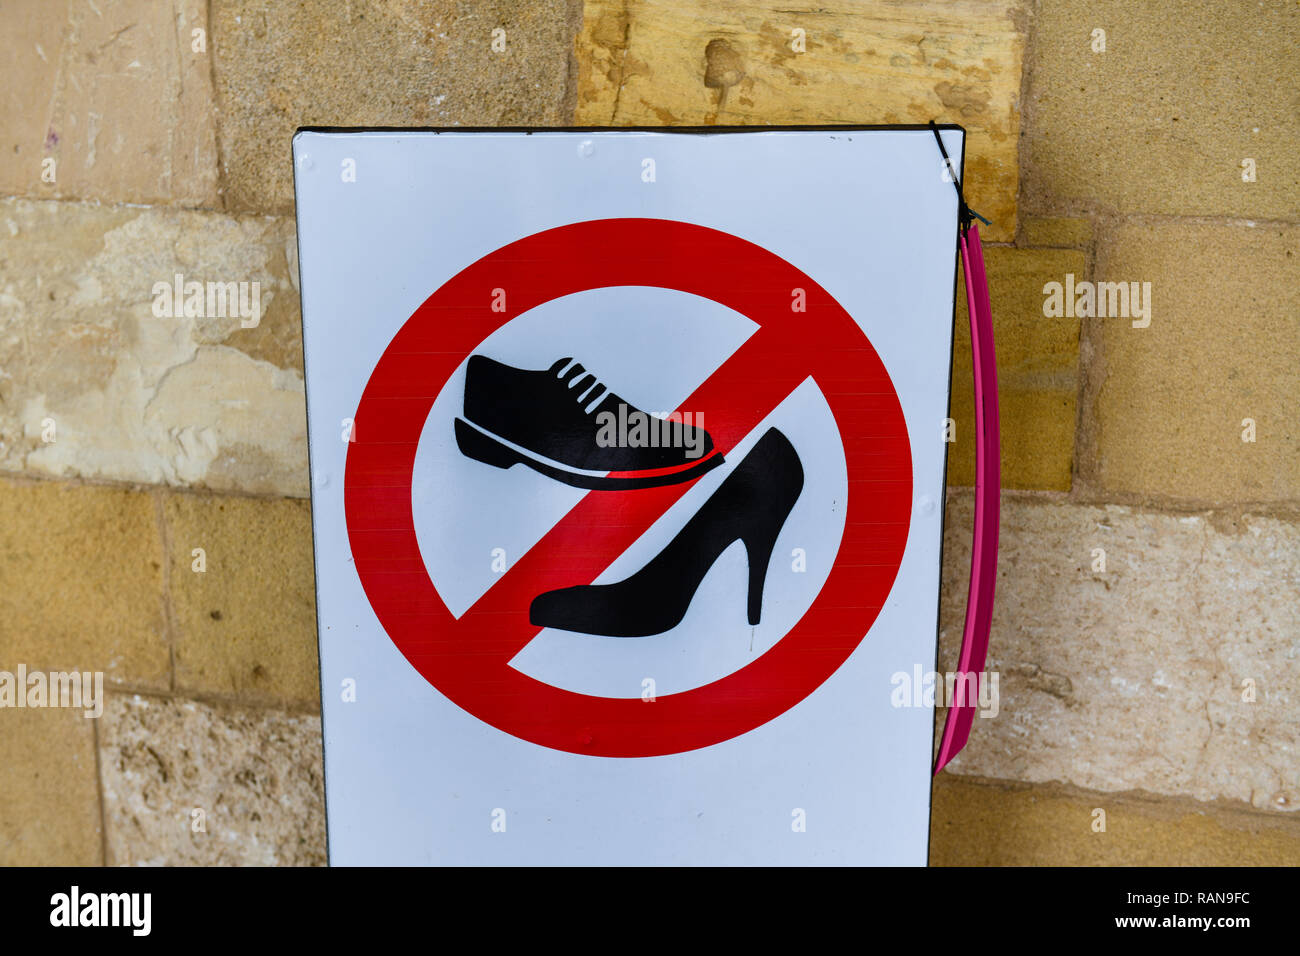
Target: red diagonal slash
(467,659)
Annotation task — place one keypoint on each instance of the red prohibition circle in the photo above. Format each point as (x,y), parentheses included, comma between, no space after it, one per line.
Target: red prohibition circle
(803,332)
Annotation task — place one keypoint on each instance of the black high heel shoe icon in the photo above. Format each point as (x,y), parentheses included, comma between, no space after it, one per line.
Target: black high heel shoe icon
(751,505)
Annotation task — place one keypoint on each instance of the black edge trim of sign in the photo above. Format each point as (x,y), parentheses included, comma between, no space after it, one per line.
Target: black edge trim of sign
(695,130)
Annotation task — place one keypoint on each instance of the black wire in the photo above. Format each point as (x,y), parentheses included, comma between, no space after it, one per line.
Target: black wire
(964,212)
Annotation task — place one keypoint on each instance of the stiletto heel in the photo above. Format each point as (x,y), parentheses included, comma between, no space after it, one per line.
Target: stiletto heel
(751,506)
(760,556)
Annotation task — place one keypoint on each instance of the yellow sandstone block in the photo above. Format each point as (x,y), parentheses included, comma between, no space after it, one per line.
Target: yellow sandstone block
(988,824)
(738,62)
(243,593)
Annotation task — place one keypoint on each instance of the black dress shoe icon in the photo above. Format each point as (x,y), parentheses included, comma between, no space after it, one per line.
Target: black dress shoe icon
(751,505)
(566,425)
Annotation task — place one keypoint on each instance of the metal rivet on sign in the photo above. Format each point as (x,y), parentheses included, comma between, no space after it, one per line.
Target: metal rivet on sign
(927,505)
(586,148)
(305,161)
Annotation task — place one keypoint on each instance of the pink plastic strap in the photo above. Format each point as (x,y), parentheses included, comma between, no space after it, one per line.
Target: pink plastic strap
(988,490)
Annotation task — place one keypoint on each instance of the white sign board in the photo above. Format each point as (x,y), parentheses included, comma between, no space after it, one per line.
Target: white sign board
(627,488)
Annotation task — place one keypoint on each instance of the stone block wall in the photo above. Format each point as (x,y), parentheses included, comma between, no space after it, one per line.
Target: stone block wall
(154,522)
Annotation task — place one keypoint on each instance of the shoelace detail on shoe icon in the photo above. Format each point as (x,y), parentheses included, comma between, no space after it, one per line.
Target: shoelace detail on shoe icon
(584,388)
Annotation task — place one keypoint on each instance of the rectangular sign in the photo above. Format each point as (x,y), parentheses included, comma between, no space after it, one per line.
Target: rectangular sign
(627,454)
